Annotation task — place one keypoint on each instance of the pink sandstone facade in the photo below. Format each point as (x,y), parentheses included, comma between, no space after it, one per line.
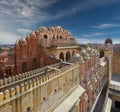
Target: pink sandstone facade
(61,71)
(38,49)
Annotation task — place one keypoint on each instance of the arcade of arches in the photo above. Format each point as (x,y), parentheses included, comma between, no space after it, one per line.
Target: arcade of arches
(65,56)
(62,53)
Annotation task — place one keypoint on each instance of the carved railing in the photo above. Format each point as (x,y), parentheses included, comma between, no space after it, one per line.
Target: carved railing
(57,42)
(20,86)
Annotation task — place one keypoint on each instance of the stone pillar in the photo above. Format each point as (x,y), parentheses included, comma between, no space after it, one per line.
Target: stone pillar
(34,100)
(13,106)
(64,56)
(18,103)
(37,99)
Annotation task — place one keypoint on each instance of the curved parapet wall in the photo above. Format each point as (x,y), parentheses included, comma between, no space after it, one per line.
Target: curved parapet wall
(51,36)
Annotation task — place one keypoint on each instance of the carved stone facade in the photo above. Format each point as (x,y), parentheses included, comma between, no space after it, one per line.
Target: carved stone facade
(43,47)
(49,72)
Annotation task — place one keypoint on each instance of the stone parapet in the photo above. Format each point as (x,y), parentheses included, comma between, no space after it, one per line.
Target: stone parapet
(18,89)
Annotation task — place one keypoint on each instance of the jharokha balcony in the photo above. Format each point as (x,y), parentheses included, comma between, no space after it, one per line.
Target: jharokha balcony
(58,42)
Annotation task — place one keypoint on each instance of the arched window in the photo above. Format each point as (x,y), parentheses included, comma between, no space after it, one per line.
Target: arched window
(57,36)
(61,56)
(45,36)
(34,64)
(67,56)
(24,67)
(60,37)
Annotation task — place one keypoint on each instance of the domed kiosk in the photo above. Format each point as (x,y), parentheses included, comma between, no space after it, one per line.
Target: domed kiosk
(108,41)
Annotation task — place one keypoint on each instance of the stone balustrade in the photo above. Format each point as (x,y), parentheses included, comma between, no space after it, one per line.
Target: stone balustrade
(19,77)
(57,42)
(29,85)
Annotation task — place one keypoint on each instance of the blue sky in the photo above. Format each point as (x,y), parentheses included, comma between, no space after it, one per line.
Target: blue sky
(90,21)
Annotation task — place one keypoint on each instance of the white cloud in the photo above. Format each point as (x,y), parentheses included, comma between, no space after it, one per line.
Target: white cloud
(26,12)
(116,40)
(94,34)
(117,18)
(106,25)
(24,31)
(89,40)
(84,5)
(8,37)
(29,12)
(15,14)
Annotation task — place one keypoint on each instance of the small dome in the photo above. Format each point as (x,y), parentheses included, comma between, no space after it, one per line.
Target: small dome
(84,51)
(59,27)
(28,38)
(77,55)
(33,35)
(89,49)
(16,45)
(23,41)
(43,28)
(37,32)
(108,41)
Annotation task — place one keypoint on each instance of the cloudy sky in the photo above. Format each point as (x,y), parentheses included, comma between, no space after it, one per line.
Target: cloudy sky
(88,20)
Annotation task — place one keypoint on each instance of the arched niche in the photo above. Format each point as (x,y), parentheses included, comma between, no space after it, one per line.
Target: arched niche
(61,56)
(24,67)
(34,63)
(67,56)
(101,53)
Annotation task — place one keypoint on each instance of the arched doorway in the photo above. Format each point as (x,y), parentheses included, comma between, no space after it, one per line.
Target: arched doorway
(101,54)
(61,56)
(68,56)
(8,72)
(60,37)
(34,64)
(24,67)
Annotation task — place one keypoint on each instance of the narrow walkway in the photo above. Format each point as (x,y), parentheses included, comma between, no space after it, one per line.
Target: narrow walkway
(99,105)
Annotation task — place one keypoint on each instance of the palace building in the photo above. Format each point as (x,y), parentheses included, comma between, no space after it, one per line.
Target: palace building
(49,72)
